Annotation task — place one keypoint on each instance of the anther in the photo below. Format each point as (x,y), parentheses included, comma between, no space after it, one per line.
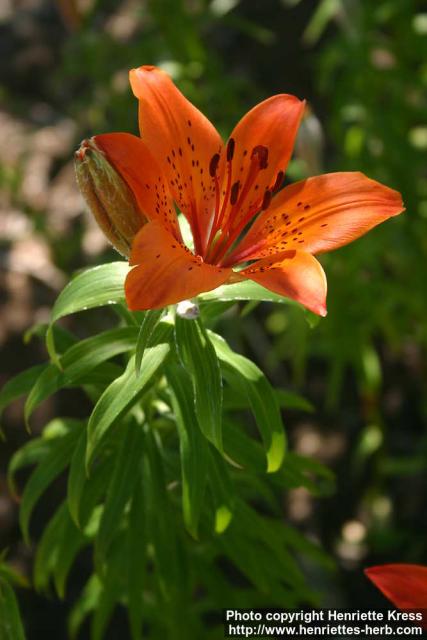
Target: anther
(213,165)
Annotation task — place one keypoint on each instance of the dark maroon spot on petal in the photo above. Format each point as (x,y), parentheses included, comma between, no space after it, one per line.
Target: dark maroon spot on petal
(299,204)
(213,165)
(189,123)
(262,153)
(306,207)
(158,255)
(180,151)
(301,219)
(234,192)
(190,268)
(230,149)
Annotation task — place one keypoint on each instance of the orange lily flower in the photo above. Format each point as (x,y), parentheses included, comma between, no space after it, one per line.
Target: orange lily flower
(404,584)
(226,193)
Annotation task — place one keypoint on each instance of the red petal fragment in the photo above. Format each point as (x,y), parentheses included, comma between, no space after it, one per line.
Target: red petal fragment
(294,274)
(183,141)
(404,584)
(319,214)
(166,272)
(133,160)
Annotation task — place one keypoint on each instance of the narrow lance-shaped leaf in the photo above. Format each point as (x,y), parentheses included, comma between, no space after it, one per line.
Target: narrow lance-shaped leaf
(162,530)
(60,543)
(200,360)
(193,447)
(137,543)
(246,290)
(121,396)
(19,386)
(222,491)
(11,627)
(84,491)
(79,360)
(124,475)
(94,287)
(248,378)
(148,325)
(48,469)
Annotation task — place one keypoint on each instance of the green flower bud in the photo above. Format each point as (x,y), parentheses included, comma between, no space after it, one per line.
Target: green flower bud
(108,196)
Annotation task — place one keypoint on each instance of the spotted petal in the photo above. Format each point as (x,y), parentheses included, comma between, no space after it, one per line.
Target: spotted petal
(319,214)
(294,274)
(166,271)
(182,140)
(262,144)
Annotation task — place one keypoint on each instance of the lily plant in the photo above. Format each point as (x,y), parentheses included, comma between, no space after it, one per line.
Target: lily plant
(183,436)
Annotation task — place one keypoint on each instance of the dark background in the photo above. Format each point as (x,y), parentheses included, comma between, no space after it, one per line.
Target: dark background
(361,65)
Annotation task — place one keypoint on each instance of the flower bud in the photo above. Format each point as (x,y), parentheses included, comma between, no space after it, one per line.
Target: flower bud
(108,196)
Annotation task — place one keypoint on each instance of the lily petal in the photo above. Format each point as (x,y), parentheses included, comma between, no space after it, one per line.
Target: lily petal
(262,144)
(319,214)
(182,140)
(294,274)
(166,272)
(133,160)
(404,584)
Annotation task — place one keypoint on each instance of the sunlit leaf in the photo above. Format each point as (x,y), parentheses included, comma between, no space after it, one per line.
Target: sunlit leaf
(222,491)
(247,378)
(121,395)
(96,287)
(78,361)
(148,325)
(246,290)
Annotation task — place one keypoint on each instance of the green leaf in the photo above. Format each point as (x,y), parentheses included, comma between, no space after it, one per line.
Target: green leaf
(87,602)
(161,522)
(199,359)
(56,551)
(291,400)
(96,287)
(121,395)
(193,447)
(246,290)
(148,325)
(78,361)
(124,475)
(137,550)
(247,378)
(222,491)
(10,620)
(48,469)
(19,386)
(83,491)
(31,453)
